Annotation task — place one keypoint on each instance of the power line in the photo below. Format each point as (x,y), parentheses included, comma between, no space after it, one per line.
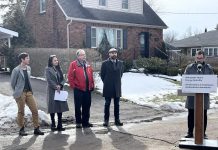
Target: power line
(189,13)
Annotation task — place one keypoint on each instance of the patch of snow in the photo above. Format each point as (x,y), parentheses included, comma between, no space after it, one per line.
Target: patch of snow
(145,89)
(8,113)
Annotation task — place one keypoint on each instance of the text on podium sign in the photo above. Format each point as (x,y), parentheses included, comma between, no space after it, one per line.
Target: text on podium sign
(199,83)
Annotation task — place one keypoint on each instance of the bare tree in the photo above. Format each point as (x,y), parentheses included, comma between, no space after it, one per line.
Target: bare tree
(170,36)
(190,32)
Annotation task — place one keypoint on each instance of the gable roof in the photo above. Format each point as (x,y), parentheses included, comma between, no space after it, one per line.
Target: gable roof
(209,38)
(75,11)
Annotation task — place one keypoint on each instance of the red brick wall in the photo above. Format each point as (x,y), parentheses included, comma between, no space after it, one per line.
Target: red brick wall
(41,23)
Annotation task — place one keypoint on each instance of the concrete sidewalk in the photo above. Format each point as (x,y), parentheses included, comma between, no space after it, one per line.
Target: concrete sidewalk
(157,135)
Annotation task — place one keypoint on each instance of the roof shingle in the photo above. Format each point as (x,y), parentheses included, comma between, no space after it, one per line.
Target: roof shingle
(73,9)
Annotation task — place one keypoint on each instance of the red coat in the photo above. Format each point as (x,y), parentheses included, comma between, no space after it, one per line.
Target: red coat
(76,76)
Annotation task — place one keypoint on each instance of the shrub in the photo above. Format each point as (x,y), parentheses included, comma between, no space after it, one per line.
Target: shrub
(151,65)
(172,71)
(128,64)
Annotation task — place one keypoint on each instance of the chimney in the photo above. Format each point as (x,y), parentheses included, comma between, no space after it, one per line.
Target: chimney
(205,30)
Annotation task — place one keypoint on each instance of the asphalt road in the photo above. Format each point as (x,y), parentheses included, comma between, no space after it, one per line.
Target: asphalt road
(129,112)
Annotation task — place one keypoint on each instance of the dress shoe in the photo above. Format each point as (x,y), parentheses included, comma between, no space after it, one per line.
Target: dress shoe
(189,135)
(60,129)
(22,132)
(205,136)
(38,132)
(118,123)
(78,125)
(88,125)
(53,128)
(106,124)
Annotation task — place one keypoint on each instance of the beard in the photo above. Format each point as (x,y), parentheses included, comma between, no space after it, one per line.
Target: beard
(114,57)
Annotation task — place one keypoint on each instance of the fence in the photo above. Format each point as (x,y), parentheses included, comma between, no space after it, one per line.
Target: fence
(39,58)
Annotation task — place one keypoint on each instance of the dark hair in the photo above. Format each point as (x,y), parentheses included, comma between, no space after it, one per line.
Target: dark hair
(22,56)
(200,52)
(50,59)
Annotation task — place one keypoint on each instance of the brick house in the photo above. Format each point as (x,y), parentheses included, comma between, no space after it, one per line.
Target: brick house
(130,25)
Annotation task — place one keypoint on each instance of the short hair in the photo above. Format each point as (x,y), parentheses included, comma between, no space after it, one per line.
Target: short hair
(200,52)
(22,56)
(78,52)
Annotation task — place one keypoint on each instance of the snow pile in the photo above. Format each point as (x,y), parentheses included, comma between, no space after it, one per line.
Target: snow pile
(8,113)
(150,90)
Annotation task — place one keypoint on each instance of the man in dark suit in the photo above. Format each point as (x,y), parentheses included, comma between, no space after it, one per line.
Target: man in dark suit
(111,74)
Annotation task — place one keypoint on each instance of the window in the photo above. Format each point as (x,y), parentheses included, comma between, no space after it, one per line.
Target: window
(42,6)
(193,51)
(114,36)
(211,51)
(119,39)
(102,2)
(215,51)
(125,4)
(93,37)
(206,51)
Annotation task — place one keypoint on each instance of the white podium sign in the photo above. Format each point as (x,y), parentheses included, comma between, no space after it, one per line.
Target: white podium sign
(199,83)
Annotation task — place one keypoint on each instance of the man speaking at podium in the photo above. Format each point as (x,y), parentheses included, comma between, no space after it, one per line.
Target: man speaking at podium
(198,67)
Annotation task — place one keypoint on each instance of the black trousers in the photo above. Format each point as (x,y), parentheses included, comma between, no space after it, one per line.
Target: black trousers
(107,108)
(52,115)
(191,119)
(82,100)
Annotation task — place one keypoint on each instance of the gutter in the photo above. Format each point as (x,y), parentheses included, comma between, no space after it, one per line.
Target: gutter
(68,34)
(116,23)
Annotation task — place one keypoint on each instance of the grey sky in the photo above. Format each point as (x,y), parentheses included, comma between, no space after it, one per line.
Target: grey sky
(181,22)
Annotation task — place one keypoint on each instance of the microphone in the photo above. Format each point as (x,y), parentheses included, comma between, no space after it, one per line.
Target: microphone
(199,67)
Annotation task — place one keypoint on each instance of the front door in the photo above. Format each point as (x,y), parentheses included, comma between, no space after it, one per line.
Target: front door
(144,44)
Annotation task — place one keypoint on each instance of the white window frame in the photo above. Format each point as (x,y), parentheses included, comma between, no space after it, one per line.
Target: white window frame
(196,49)
(100,2)
(216,53)
(93,37)
(121,38)
(208,52)
(126,3)
(96,29)
(42,10)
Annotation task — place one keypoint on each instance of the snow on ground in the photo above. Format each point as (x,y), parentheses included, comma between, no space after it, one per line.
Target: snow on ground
(8,113)
(145,90)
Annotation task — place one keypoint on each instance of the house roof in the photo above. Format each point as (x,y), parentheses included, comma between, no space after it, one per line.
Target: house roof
(73,10)
(5,33)
(209,38)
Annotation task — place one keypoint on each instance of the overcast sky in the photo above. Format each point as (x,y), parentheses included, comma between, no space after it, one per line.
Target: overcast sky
(179,23)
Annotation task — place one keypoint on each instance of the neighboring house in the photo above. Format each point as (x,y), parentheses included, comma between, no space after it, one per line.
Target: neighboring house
(6,34)
(130,25)
(207,41)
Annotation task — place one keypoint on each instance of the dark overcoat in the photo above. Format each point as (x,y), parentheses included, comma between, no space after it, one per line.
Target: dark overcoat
(111,74)
(192,69)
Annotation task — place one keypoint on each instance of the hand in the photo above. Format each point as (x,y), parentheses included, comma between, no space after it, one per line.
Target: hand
(58,88)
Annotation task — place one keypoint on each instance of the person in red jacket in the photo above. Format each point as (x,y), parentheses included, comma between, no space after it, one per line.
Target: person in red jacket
(80,78)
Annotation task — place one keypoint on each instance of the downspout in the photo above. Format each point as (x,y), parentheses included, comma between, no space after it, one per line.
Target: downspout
(68,34)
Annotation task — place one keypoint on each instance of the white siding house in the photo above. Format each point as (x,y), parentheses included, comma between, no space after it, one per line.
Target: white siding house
(129,6)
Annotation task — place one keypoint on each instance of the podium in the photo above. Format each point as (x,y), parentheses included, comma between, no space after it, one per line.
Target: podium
(197,85)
